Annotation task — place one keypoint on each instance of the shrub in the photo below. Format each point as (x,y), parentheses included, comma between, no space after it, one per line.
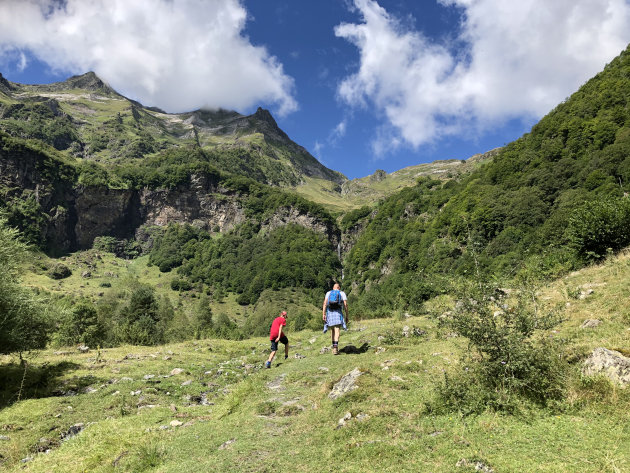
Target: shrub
(24,317)
(59,271)
(82,326)
(599,225)
(507,360)
(138,322)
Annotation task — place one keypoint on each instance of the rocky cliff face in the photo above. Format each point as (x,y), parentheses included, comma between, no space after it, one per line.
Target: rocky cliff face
(73,216)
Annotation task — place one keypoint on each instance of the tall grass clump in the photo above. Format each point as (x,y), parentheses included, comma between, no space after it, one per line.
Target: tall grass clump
(511,362)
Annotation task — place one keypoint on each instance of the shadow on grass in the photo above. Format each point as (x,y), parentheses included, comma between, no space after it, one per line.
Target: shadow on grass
(37,381)
(352,350)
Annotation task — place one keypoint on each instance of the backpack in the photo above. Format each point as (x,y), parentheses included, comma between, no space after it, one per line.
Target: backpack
(334,300)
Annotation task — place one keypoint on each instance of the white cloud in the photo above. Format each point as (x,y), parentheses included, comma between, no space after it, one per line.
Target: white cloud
(176,54)
(22,62)
(519,60)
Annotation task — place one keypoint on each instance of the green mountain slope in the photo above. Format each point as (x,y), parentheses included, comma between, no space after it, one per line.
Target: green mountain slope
(547,202)
(86,119)
(369,190)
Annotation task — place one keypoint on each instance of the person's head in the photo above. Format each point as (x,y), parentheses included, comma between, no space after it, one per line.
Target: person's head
(336,287)
(283,314)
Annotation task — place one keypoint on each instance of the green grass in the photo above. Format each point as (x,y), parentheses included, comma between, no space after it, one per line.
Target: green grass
(248,424)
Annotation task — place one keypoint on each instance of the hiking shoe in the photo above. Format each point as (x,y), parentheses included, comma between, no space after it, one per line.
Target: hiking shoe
(286,356)
(335,350)
(267,364)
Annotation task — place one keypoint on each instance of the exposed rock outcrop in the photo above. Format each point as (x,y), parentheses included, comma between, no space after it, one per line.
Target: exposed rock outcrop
(75,215)
(609,363)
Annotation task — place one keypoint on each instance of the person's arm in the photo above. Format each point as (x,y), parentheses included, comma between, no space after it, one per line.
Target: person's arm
(324,309)
(279,334)
(345,304)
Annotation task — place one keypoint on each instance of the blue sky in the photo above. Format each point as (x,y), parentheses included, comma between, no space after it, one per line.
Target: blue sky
(362,84)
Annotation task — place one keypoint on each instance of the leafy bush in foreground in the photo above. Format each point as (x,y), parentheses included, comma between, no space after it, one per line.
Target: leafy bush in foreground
(24,320)
(508,360)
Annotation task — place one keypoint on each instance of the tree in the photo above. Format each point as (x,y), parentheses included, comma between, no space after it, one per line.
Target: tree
(139,320)
(24,318)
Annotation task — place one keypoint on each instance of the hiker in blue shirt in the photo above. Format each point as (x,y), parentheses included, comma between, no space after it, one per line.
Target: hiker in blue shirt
(332,313)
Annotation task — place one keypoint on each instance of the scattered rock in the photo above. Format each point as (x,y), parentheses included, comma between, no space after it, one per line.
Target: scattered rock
(61,353)
(136,393)
(324,350)
(176,371)
(86,274)
(585,293)
(166,358)
(323,369)
(187,383)
(276,384)
(4,437)
(298,356)
(125,379)
(45,445)
(90,390)
(362,417)
(312,340)
(344,419)
(396,378)
(148,376)
(346,384)
(226,444)
(176,423)
(477,465)
(591,323)
(72,431)
(83,348)
(379,350)
(405,331)
(609,363)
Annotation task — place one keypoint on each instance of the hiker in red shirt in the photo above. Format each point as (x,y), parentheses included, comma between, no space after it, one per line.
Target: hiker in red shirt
(276,335)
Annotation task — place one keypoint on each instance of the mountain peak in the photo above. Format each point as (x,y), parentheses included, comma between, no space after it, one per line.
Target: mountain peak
(88,81)
(265,116)
(5,84)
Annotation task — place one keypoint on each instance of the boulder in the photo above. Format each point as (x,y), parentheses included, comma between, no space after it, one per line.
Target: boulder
(609,363)
(345,384)
(591,323)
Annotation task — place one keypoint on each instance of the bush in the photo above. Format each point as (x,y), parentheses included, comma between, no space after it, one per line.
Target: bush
(82,326)
(139,322)
(600,226)
(508,361)
(24,317)
(59,271)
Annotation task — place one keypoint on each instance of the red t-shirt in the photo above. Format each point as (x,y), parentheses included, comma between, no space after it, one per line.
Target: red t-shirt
(275,327)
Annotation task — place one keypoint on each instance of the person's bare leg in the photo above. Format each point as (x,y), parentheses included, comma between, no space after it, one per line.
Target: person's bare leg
(286,351)
(273,353)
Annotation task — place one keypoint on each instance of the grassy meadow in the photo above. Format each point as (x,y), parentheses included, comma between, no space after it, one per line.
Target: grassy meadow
(220,409)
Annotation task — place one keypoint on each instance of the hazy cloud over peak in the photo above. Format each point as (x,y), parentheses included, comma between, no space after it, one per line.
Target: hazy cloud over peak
(511,60)
(175,54)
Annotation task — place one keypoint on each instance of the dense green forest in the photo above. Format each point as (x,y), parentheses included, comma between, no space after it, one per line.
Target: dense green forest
(248,261)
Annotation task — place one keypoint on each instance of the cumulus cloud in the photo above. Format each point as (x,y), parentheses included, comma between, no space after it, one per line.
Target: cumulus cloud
(510,60)
(175,54)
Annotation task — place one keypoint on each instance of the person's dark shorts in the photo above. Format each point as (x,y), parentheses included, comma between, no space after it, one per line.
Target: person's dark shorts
(274,344)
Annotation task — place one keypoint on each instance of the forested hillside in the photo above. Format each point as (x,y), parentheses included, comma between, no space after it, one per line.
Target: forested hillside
(548,202)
